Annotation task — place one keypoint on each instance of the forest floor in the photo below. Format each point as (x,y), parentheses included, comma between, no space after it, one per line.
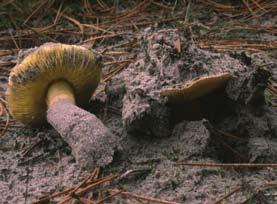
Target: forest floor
(218,148)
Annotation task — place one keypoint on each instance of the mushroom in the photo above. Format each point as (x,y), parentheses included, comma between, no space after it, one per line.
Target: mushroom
(48,84)
(197,98)
(196,88)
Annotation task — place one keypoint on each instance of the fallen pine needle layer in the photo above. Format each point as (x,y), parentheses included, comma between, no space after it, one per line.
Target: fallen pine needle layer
(90,184)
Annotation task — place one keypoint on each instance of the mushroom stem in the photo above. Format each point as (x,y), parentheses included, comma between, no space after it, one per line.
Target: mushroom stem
(60,91)
(92,143)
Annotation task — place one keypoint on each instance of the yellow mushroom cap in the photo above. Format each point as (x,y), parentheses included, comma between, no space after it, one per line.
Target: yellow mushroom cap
(30,80)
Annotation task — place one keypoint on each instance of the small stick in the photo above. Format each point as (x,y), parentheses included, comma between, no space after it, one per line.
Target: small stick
(85,201)
(87,188)
(1,109)
(108,197)
(34,158)
(161,5)
(248,7)
(102,36)
(8,130)
(117,62)
(3,101)
(94,174)
(256,194)
(147,22)
(14,41)
(97,28)
(101,3)
(231,165)
(228,195)
(116,53)
(242,157)
(29,149)
(150,199)
(34,12)
(58,13)
(72,20)
(113,72)
(42,34)
(3,64)
(86,180)
(68,190)
(47,198)
(2,133)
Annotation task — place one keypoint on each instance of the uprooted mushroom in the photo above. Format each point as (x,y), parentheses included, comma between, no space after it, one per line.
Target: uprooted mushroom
(197,98)
(196,88)
(48,84)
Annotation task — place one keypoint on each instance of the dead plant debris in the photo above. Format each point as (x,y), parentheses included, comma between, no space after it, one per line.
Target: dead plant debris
(92,182)
(104,26)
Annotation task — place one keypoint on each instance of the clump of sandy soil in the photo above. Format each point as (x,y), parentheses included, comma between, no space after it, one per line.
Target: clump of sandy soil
(234,124)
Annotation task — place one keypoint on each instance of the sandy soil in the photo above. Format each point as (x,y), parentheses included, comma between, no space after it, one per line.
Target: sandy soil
(236,123)
(155,136)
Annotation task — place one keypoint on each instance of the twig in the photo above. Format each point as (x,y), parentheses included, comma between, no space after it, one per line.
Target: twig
(69,190)
(248,7)
(8,52)
(112,73)
(1,109)
(35,11)
(162,5)
(4,64)
(102,36)
(116,53)
(74,21)
(34,158)
(230,165)
(256,193)
(117,62)
(108,197)
(97,28)
(150,199)
(58,15)
(89,178)
(42,34)
(2,133)
(84,201)
(48,198)
(29,149)
(102,4)
(147,22)
(228,195)
(87,188)
(14,41)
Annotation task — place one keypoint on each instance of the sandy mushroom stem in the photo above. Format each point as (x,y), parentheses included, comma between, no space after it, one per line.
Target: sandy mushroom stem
(60,91)
(91,142)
